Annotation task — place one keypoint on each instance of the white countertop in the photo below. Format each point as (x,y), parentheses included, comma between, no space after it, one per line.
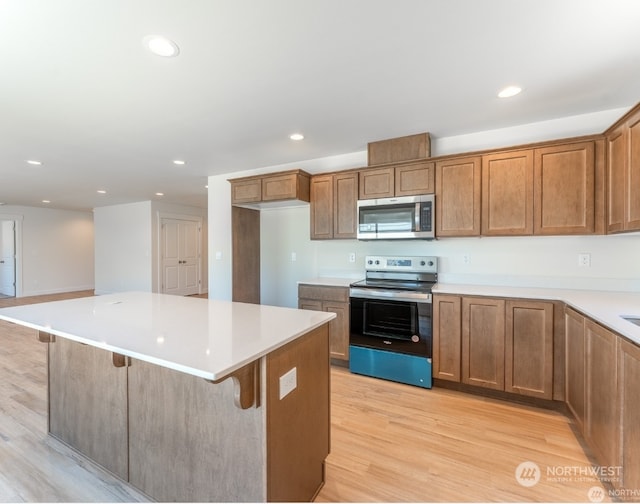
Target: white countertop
(200,337)
(330,281)
(605,307)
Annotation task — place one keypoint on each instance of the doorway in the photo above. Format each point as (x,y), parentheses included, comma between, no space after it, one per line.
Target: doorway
(180,256)
(7,258)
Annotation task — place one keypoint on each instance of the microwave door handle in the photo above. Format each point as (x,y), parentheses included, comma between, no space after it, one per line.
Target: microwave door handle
(416,218)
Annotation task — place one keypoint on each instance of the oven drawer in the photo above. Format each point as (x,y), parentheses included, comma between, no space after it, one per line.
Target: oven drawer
(403,368)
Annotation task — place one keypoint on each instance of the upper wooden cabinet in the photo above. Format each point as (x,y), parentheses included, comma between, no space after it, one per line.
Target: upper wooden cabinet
(565,189)
(246,190)
(458,189)
(333,206)
(290,185)
(394,150)
(402,180)
(554,190)
(623,175)
(507,193)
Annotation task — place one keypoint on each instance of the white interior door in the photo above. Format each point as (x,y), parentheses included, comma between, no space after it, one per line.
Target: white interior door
(180,257)
(7,258)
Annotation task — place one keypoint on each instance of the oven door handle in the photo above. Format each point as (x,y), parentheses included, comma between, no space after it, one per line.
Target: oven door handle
(412,297)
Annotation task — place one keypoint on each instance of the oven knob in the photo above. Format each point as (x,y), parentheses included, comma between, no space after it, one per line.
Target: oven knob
(377,262)
(369,261)
(422,263)
(430,263)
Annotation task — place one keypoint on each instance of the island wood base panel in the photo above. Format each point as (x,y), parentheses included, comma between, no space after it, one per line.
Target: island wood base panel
(178,437)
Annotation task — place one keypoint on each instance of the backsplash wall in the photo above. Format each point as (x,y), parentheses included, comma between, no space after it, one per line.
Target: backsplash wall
(540,261)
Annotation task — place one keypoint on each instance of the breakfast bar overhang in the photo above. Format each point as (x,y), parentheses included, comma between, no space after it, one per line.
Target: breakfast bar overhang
(189,399)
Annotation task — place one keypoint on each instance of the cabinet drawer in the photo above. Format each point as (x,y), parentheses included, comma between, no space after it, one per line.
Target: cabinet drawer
(323,293)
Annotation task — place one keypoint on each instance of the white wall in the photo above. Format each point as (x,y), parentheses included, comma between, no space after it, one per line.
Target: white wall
(123,248)
(55,249)
(128,245)
(521,261)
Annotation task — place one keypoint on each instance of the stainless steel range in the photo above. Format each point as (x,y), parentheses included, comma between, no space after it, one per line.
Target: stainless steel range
(391,319)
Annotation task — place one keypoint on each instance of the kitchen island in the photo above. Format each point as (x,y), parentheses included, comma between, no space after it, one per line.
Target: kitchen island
(189,399)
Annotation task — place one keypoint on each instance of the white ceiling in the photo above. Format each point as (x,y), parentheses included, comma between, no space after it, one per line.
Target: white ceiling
(79,92)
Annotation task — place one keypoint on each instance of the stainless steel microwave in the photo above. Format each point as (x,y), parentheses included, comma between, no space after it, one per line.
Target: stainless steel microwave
(402,218)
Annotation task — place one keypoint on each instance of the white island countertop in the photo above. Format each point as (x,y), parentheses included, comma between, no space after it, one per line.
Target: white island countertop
(201,337)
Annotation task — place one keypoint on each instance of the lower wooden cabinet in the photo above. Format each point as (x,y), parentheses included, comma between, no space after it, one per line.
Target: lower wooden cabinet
(529,348)
(601,428)
(575,366)
(447,337)
(629,407)
(483,332)
(330,299)
(602,383)
(501,344)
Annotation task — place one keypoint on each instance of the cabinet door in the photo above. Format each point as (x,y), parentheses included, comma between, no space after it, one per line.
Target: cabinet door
(280,187)
(507,193)
(616,169)
(633,176)
(483,342)
(575,364)
(345,199)
(629,407)
(564,189)
(447,338)
(529,348)
(310,304)
(246,191)
(338,329)
(321,207)
(88,403)
(458,186)
(602,411)
(377,183)
(415,178)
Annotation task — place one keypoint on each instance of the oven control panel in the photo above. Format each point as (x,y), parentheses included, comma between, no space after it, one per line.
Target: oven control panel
(426,264)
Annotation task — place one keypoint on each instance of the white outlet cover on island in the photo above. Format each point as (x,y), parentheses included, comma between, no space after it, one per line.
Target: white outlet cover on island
(288,382)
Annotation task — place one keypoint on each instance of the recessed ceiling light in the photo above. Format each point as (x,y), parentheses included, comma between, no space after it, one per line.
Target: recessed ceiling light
(509,91)
(161,46)
(179,162)
(46,201)
(34,162)
(296,136)
(159,194)
(101,191)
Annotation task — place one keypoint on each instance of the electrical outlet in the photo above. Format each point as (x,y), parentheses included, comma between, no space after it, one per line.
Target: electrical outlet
(352,257)
(294,257)
(466,259)
(288,382)
(218,255)
(584,259)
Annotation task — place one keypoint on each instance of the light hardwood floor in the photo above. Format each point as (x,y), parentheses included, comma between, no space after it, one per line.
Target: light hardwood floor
(389,442)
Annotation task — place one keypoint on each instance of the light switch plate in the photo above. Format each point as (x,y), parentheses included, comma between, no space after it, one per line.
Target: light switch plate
(288,382)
